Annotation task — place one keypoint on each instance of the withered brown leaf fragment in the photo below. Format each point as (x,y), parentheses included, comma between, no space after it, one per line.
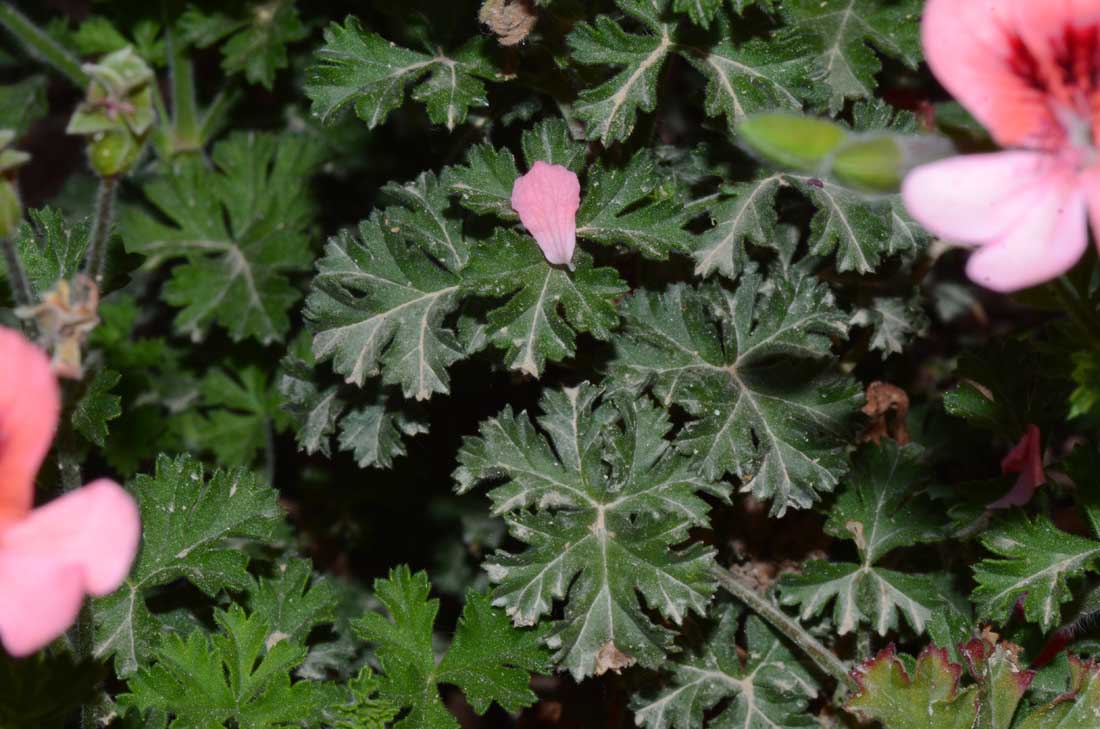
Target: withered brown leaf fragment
(65,317)
(887,407)
(510,20)
(610,658)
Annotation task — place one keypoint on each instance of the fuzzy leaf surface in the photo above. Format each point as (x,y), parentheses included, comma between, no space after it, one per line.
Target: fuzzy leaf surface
(754,370)
(240,228)
(488,659)
(601,499)
(876,512)
(188,527)
(364,71)
(769,688)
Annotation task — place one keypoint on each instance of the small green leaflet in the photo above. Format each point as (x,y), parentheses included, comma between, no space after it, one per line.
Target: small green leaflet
(610,110)
(770,688)
(50,248)
(372,432)
(378,306)
(744,213)
(241,675)
(1035,560)
(364,710)
(257,42)
(23,103)
(188,528)
(877,510)
(364,70)
(601,499)
(547,302)
(97,406)
(292,601)
(768,403)
(848,29)
(488,659)
(894,322)
(240,229)
(241,414)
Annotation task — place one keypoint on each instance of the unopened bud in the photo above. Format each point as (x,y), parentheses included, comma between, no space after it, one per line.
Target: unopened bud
(796,142)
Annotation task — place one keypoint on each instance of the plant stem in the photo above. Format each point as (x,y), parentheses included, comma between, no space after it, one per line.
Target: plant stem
(41,46)
(20,284)
(819,654)
(96,263)
(185,118)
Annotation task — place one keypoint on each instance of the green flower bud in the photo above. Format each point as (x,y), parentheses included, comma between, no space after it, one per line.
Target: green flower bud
(113,153)
(873,164)
(796,142)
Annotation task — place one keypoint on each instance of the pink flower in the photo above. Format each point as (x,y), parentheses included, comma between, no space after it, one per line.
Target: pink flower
(1029,70)
(547,199)
(1026,459)
(81,543)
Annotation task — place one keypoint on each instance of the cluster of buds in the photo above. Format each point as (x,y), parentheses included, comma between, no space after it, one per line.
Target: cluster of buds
(118,112)
(11,209)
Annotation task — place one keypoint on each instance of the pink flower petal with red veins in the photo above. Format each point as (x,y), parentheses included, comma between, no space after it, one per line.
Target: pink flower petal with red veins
(1005,61)
(1026,459)
(29,409)
(547,199)
(1026,209)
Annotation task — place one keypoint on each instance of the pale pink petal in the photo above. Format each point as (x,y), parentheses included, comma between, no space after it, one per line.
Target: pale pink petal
(1045,243)
(39,599)
(29,409)
(1005,59)
(95,529)
(976,198)
(1026,459)
(547,199)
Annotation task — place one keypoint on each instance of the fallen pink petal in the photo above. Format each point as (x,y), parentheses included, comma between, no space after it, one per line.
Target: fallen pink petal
(547,199)
(1026,459)
(1030,73)
(82,543)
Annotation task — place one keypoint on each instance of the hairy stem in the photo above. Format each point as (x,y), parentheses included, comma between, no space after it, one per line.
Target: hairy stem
(819,654)
(42,46)
(185,117)
(96,263)
(20,285)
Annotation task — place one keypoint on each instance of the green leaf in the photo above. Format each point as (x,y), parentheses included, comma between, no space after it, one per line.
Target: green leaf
(256,43)
(241,228)
(878,510)
(547,303)
(769,688)
(314,411)
(23,103)
(767,402)
(375,434)
(894,322)
(242,414)
(293,601)
(364,70)
(1078,707)
(378,306)
(745,213)
(929,697)
(51,249)
(602,500)
(45,690)
(1035,560)
(364,710)
(97,406)
(241,675)
(417,213)
(618,207)
(489,659)
(848,29)
(610,109)
(191,528)
(758,75)
(1002,682)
